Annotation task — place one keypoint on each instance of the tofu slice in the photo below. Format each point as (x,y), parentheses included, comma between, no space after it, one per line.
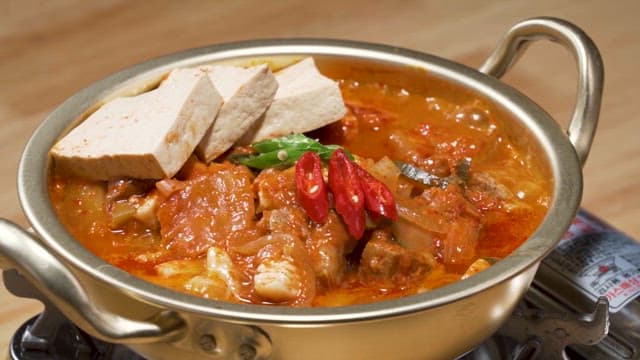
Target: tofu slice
(246,93)
(305,100)
(148,136)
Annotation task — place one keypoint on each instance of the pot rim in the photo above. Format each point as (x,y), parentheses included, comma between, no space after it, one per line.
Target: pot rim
(563,163)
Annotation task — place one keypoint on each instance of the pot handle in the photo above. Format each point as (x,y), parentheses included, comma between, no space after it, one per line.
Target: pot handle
(590,70)
(23,251)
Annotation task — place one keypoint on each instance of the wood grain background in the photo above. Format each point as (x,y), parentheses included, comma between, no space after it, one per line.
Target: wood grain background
(51,49)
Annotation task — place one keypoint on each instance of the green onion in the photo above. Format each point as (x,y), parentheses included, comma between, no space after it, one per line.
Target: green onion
(283,152)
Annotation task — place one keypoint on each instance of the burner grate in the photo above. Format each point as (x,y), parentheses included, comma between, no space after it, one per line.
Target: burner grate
(51,336)
(68,343)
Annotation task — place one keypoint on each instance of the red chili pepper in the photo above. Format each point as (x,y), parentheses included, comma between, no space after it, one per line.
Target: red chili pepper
(378,198)
(310,188)
(347,192)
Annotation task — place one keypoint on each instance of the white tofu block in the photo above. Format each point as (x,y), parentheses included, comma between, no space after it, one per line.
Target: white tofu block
(148,136)
(305,100)
(247,93)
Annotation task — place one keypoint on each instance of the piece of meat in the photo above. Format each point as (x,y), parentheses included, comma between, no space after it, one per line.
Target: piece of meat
(275,188)
(213,210)
(283,274)
(485,192)
(305,100)
(386,261)
(327,246)
(285,220)
(247,93)
(148,136)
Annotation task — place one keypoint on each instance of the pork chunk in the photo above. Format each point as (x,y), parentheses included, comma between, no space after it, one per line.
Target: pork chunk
(305,100)
(247,93)
(327,247)
(385,260)
(148,136)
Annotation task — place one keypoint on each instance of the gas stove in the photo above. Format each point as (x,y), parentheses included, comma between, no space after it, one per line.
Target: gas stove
(583,304)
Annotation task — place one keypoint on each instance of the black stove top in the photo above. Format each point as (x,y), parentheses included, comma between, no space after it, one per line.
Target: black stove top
(67,343)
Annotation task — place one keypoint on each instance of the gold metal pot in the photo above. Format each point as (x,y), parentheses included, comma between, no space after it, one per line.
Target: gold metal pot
(162,324)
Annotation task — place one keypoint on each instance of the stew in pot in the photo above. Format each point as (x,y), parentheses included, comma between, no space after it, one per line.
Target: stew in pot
(405,190)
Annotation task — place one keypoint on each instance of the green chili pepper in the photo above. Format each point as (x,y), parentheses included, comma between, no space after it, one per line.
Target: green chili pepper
(283,151)
(287,141)
(276,158)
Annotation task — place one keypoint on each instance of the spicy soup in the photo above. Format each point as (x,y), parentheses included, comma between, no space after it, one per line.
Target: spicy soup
(466,192)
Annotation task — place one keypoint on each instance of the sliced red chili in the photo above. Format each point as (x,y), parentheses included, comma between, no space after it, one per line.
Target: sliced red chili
(347,193)
(378,199)
(310,188)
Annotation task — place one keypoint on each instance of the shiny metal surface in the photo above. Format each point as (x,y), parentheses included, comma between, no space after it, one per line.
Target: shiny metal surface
(590,70)
(22,251)
(442,323)
(608,347)
(546,336)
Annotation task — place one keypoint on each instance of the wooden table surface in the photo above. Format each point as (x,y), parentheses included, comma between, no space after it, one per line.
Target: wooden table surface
(50,50)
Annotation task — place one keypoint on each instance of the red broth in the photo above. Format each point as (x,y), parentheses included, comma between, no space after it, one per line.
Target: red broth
(490,194)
